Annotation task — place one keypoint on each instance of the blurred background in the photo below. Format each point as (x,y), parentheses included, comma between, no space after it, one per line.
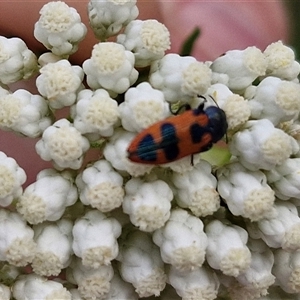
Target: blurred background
(293,10)
(224,24)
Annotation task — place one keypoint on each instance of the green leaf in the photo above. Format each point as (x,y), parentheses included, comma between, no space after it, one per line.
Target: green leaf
(188,45)
(218,155)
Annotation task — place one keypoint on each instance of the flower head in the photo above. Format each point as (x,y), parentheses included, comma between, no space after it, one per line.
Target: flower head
(5,292)
(32,286)
(241,66)
(111,67)
(16,60)
(24,113)
(196,190)
(100,186)
(92,283)
(180,78)
(54,247)
(148,40)
(107,17)
(17,245)
(142,107)
(284,179)
(11,179)
(59,83)
(227,250)
(286,269)
(95,239)
(59,28)
(63,144)
(245,192)
(141,264)
(182,241)
(259,145)
(48,197)
(95,113)
(281,61)
(276,100)
(280,230)
(147,203)
(200,283)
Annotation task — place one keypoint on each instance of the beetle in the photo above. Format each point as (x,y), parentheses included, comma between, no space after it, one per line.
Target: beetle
(191,132)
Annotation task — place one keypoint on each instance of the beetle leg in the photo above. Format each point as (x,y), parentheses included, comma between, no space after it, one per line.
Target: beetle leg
(184,106)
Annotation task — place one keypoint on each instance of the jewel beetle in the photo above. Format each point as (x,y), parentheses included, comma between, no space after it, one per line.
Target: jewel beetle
(191,132)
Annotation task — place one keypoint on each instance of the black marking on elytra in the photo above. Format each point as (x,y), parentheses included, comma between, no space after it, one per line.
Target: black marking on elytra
(146,149)
(169,143)
(196,132)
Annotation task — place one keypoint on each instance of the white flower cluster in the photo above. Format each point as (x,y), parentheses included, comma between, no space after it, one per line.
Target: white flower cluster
(110,228)
(59,28)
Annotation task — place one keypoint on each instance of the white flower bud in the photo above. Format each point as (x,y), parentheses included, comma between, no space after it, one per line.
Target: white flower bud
(48,197)
(258,277)
(95,239)
(17,245)
(285,179)
(245,192)
(227,250)
(48,57)
(142,107)
(32,286)
(241,66)
(281,61)
(100,186)
(182,241)
(286,269)
(3,91)
(111,67)
(63,144)
(16,60)
(148,204)
(141,264)
(120,289)
(59,83)
(180,78)
(276,100)
(24,113)
(115,152)
(92,283)
(54,247)
(184,164)
(11,179)
(259,145)
(75,294)
(196,190)
(148,40)
(200,283)
(281,230)
(5,293)
(107,17)
(275,292)
(59,28)
(95,112)
(236,108)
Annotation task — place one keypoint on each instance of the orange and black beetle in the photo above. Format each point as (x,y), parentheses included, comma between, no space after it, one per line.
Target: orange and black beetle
(191,132)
